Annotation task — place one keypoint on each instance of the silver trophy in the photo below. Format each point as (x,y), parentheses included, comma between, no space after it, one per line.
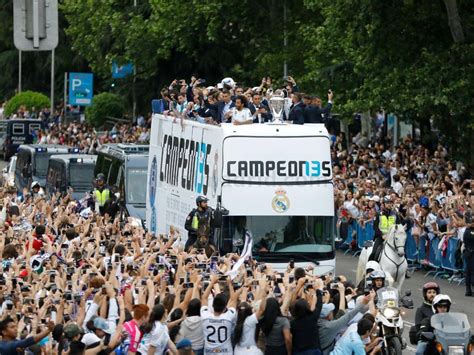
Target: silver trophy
(277,104)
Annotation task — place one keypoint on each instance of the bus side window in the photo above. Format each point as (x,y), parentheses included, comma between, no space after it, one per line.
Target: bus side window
(105,168)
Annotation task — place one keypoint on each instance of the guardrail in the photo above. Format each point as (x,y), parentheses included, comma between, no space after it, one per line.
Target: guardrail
(443,260)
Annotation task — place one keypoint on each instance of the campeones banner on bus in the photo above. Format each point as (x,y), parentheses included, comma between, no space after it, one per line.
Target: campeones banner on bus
(277,159)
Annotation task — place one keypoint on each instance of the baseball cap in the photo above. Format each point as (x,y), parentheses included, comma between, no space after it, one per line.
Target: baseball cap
(101,323)
(184,343)
(327,308)
(71,330)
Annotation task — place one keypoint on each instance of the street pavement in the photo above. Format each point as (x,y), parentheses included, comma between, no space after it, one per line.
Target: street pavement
(346,265)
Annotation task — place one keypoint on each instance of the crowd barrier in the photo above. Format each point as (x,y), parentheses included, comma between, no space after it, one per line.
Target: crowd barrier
(441,260)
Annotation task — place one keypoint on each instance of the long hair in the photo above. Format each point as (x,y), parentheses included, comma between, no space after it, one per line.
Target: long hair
(301,309)
(244,311)
(194,308)
(156,314)
(272,311)
(175,315)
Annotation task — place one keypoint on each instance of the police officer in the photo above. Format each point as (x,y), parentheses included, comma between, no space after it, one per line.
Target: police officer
(468,240)
(386,218)
(101,193)
(202,216)
(424,313)
(377,277)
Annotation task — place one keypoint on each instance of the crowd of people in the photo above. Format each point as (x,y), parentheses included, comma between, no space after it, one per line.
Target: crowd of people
(229,101)
(89,283)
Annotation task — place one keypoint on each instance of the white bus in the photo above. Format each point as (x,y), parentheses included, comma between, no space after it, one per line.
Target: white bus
(274,179)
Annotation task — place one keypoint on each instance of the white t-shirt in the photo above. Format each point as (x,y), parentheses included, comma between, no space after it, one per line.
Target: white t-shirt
(248,333)
(90,338)
(241,116)
(218,330)
(430,219)
(158,338)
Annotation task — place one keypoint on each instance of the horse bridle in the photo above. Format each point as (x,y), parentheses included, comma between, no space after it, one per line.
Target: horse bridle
(394,248)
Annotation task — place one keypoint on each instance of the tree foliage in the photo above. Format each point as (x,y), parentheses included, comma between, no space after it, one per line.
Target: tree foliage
(28,99)
(105,105)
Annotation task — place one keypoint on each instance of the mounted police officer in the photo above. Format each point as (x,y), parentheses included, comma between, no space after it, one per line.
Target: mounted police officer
(101,193)
(386,218)
(199,218)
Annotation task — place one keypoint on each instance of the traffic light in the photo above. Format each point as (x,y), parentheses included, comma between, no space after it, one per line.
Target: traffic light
(35,24)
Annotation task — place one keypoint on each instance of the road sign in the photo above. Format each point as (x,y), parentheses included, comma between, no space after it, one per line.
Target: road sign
(122,71)
(35,24)
(81,89)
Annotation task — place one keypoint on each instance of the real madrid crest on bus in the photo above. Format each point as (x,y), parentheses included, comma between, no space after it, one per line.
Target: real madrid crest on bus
(281,202)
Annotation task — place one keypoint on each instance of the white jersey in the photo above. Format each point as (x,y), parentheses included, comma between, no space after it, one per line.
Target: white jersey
(218,330)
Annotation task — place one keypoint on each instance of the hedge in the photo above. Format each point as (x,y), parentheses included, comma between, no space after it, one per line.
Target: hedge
(29,99)
(104,105)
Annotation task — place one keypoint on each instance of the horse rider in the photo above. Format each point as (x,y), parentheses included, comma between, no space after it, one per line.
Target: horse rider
(202,216)
(386,218)
(101,193)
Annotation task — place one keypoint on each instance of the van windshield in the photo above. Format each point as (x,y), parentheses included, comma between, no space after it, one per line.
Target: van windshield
(136,186)
(81,175)
(282,234)
(41,164)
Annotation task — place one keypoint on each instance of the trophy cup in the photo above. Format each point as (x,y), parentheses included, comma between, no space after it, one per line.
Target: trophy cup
(277,104)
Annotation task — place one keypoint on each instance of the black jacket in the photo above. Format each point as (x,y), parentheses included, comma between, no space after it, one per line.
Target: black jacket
(297,113)
(220,110)
(266,117)
(315,114)
(423,313)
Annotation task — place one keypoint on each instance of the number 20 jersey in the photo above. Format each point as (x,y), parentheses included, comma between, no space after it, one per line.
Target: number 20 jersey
(218,331)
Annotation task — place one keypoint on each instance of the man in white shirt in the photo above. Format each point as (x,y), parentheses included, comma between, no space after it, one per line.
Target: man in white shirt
(241,114)
(218,323)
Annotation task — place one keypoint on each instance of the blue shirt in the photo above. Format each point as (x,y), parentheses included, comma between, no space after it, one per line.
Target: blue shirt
(10,347)
(350,344)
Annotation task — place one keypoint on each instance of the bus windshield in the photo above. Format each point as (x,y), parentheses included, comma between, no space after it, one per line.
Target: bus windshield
(81,175)
(282,234)
(41,164)
(136,186)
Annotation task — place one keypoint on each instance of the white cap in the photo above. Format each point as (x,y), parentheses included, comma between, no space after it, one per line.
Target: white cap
(228,81)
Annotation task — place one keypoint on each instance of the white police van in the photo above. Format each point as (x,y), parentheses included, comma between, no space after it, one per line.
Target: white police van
(274,179)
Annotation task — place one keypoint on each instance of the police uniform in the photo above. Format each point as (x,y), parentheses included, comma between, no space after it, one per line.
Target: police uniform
(196,218)
(382,224)
(102,195)
(468,240)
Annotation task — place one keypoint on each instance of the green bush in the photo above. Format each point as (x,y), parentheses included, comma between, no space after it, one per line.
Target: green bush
(29,99)
(104,105)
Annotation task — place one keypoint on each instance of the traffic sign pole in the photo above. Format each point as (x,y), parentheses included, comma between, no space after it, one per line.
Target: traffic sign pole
(19,71)
(52,82)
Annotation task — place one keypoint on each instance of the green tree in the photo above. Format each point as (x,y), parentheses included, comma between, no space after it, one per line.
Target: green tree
(104,105)
(29,99)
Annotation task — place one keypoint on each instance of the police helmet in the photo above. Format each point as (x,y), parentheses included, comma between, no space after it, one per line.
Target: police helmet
(35,184)
(387,199)
(441,300)
(372,265)
(100,176)
(377,274)
(200,199)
